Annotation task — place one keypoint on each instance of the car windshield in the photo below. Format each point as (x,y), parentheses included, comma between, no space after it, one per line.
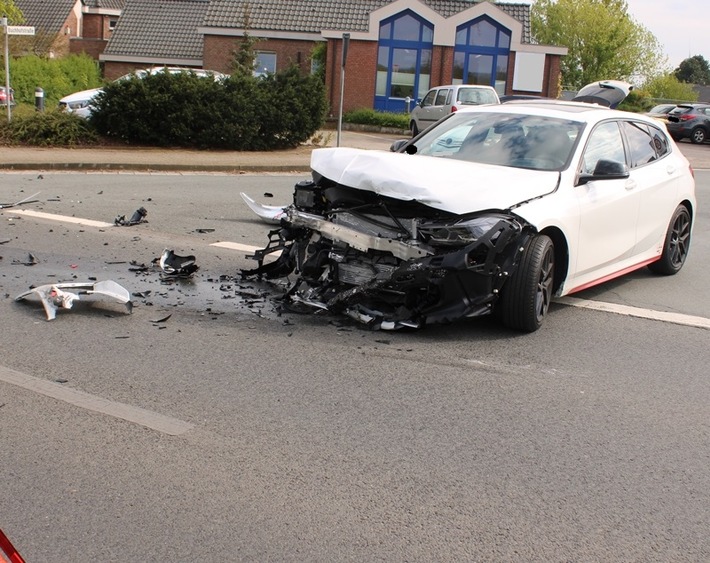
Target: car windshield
(504,139)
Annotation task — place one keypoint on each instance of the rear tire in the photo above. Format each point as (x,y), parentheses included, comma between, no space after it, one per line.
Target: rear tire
(698,136)
(676,244)
(526,296)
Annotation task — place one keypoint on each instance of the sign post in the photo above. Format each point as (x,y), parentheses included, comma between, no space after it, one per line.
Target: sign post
(11,30)
(346,42)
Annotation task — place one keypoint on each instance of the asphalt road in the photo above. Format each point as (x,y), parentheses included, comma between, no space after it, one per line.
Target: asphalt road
(230,431)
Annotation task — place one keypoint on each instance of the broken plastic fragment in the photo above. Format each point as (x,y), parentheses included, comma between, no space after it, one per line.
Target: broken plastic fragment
(137,217)
(176,265)
(54,296)
(268,213)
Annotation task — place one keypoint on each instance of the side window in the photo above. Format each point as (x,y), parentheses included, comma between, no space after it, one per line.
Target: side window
(429,98)
(641,145)
(441,97)
(604,144)
(449,96)
(660,141)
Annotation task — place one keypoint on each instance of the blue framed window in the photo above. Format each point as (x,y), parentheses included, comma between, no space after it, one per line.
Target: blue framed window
(403,61)
(481,54)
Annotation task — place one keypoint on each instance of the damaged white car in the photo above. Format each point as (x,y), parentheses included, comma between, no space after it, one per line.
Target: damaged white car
(493,210)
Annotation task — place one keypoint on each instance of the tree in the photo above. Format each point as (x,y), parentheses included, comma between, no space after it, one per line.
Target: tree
(668,87)
(604,42)
(13,13)
(694,70)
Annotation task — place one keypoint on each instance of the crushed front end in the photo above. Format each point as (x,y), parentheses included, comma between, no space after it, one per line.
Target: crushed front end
(387,262)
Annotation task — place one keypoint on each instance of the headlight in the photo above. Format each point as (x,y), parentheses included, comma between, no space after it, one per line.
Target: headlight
(460,233)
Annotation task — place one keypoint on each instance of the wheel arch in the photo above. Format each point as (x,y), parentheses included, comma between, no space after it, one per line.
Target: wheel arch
(561,254)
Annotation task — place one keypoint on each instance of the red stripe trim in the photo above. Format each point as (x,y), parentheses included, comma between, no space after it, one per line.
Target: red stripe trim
(9,549)
(615,275)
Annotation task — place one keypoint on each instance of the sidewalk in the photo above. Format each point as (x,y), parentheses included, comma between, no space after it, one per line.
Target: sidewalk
(156,159)
(177,160)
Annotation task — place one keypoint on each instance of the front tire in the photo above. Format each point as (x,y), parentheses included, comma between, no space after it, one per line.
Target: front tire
(698,136)
(414,129)
(526,296)
(676,244)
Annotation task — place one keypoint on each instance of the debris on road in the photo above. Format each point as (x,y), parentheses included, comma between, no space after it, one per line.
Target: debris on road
(137,217)
(31,261)
(28,199)
(55,296)
(268,213)
(174,265)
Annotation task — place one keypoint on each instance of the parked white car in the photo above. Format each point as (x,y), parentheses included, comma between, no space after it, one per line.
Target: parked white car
(443,100)
(495,209)
(80,102)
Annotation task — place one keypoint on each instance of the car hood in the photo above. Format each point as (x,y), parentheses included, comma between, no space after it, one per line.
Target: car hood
(449,185)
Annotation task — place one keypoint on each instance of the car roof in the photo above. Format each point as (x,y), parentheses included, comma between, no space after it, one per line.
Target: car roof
(83,95)
(576,111)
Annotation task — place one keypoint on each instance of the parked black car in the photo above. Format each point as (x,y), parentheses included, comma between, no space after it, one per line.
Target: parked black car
(690,121)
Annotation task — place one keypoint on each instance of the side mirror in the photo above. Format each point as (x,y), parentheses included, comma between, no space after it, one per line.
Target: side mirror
(605,170)
(398,145)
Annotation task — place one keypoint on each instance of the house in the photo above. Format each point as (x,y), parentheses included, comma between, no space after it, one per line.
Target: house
(69,26)
(397,49)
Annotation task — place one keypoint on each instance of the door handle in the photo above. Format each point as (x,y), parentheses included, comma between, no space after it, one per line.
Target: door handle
(630,184)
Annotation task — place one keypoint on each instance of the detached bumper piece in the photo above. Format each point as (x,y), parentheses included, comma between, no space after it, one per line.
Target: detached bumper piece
(57,296)
(177,266)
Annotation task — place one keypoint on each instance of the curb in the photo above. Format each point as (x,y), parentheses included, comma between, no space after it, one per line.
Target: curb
(86,166)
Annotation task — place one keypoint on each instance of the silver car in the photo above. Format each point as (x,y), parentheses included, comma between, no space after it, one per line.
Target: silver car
(443,100)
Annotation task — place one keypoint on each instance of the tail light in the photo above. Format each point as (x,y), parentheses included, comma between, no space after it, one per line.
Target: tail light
(686,117)
(453,109)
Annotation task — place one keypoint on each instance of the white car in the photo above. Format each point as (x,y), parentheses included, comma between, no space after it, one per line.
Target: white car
(495,209)
(80,102)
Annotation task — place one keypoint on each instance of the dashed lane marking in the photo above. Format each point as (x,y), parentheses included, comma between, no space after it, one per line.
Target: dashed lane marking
(64,218)
(129,413)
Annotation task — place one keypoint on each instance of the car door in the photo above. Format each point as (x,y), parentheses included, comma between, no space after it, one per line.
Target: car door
(434,107)
(608,210)
(658,177)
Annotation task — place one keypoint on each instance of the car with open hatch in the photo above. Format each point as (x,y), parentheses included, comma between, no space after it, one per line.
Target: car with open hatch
(494,210)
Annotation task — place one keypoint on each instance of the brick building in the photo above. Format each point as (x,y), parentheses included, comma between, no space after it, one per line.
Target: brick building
(69,26)
(397,49)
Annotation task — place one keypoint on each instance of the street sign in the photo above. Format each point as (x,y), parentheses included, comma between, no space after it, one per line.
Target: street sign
(20,30)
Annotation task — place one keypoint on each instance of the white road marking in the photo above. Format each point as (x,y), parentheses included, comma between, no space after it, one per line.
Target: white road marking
(235,246)
(675,318)
(63,218)
(136,415)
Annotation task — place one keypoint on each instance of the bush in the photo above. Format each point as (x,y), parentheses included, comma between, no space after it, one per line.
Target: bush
(57,77)
(379,118)
(51,128)
(241,112)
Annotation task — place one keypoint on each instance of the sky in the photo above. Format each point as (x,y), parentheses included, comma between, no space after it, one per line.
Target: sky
(682,27)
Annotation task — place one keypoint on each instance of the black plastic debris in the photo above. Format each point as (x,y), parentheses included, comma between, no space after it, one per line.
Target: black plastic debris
(137,217)
(28,199)
(175,265)
(31,261)
(204,230)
